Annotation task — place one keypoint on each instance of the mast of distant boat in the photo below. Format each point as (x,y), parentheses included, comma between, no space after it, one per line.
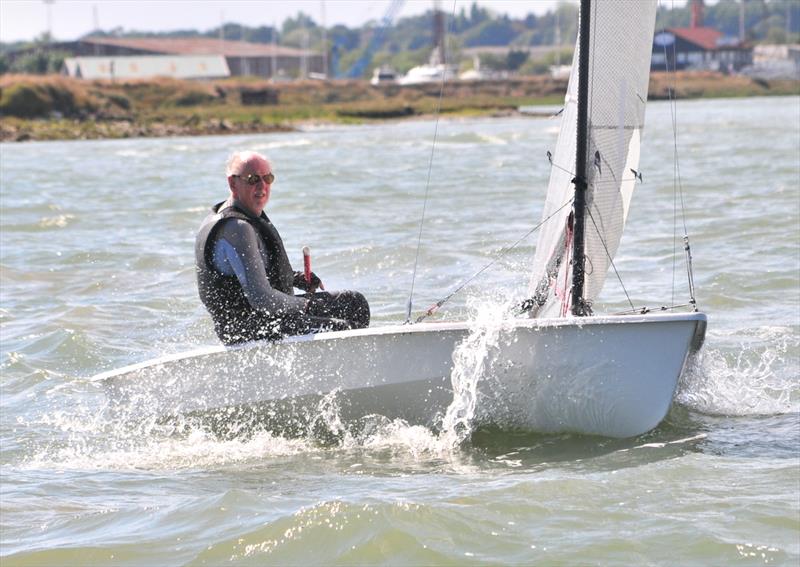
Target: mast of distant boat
(579,307)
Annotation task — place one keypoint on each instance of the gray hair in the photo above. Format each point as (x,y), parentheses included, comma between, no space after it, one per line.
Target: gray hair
(236,160)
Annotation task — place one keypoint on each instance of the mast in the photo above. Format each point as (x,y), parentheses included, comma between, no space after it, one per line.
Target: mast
(579,307)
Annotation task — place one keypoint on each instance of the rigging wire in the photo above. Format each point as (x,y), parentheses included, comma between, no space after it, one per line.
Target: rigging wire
(677,187)
(432,309)
(410,302)
(678,191)
(610,258)
(672,111)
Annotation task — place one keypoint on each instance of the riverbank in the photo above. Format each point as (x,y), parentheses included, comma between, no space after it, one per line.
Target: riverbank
(60,108)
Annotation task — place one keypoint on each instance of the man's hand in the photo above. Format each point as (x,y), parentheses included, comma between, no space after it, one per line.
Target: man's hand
(309,287)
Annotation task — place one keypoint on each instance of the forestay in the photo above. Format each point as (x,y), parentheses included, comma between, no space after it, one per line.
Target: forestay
(620,46)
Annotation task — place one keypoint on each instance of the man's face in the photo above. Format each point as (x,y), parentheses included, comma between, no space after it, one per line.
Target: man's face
(253,197)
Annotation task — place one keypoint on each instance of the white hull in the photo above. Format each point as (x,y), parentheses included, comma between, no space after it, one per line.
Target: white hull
(611,376)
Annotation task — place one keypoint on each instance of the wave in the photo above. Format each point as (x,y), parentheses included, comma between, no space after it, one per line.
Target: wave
(472,139)
(297,143)
(77,428)
(757,377)
(89,432)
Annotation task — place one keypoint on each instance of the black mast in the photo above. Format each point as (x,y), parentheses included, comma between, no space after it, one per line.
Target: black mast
(579,307)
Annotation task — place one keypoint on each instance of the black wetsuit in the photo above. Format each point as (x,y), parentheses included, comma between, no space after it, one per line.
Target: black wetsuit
(246,282)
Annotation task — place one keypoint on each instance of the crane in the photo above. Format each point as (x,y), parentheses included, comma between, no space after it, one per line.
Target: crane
(360,66)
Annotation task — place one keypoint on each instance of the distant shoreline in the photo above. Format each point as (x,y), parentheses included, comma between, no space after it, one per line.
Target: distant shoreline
(59,108)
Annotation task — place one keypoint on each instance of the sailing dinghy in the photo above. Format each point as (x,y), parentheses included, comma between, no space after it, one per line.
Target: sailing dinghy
(558,368)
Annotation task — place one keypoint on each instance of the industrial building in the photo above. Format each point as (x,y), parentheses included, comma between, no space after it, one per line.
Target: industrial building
(241,57)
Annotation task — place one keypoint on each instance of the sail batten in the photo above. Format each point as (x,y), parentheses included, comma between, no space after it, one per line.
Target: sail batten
(620,43)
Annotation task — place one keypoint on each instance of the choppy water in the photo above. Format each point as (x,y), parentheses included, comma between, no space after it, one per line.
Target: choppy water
(97,272)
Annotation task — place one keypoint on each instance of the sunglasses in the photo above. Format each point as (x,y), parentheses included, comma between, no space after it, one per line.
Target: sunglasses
(253,178)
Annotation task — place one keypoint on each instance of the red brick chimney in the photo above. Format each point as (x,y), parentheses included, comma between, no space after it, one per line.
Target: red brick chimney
(697,14)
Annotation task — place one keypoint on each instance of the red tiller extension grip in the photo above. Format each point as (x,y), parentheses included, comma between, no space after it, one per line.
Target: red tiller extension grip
(307,263)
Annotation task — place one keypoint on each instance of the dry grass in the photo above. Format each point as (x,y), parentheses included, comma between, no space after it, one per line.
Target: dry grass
(158,107)
(37,96)
(708,84)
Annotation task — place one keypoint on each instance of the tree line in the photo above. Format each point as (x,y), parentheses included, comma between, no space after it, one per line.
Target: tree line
(409,40)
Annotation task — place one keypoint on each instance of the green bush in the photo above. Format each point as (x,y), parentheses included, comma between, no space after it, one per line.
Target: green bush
(40,98)
(193,98)
(515,59)
(35,63)
(39,62)
(120,101)
(377,111)
(62,100)
(24,101)
(541,65)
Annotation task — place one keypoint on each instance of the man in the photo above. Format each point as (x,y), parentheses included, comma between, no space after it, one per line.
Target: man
(244,275)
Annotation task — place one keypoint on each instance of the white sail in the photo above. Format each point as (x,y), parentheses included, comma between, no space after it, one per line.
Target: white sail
(620,46)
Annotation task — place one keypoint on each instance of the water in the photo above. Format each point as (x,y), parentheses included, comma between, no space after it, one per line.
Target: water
(97,272)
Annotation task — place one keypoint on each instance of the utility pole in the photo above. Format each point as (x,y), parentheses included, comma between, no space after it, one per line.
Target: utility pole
(324,41)
(741,22)
(304,60)
(304,48)
(96,24)
(438,31)
(243,63)
(274,50)
(49,7)
(558,38)
(788,18)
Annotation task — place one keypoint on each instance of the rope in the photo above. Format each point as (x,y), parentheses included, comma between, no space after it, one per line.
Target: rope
(565,299)
(644,310)
(433,308)
(428,180)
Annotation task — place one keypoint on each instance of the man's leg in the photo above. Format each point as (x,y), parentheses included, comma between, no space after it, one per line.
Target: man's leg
(349,306)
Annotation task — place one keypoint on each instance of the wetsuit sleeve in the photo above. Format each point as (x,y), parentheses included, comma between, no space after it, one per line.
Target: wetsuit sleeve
(236,252)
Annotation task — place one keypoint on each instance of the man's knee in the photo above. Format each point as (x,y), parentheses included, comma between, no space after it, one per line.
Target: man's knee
(357,308)
(350,306)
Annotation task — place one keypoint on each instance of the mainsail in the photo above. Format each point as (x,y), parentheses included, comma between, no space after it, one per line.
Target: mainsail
(621,39)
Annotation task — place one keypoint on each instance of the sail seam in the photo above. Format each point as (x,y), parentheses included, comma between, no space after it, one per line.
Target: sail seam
(617,127)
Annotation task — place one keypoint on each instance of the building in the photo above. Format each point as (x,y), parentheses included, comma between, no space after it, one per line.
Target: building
(241,57)
(698,48)
(775,62)
(146,66)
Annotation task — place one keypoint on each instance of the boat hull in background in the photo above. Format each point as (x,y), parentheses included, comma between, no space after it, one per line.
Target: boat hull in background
(610,376)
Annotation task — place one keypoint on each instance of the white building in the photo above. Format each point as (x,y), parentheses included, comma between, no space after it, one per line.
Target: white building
(147,66)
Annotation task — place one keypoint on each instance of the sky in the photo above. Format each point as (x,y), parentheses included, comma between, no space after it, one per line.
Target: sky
(70,19)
